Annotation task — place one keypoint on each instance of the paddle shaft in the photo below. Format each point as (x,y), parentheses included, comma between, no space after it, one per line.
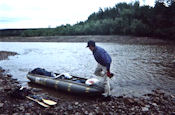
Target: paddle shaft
(41,103)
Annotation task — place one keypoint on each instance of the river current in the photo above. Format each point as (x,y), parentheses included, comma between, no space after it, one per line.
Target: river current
(138,69)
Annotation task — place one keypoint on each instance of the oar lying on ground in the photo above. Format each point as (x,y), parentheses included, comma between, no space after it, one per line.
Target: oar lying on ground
(49,102)
(35,100)
(40,99)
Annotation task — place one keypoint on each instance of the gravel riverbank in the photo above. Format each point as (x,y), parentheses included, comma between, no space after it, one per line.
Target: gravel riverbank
(83,38)
(157,102)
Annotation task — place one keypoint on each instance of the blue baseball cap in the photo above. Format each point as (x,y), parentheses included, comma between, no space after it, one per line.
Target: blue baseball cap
(91,43)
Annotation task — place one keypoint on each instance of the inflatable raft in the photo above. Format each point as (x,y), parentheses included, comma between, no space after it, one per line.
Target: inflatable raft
(74,85)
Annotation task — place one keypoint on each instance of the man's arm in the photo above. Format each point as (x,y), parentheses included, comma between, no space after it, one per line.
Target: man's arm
(109,74)
(108,67)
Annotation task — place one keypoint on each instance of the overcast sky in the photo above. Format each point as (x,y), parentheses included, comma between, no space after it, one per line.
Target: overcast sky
(51,13)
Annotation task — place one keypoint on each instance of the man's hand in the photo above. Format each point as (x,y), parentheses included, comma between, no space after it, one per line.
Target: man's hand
(110,75)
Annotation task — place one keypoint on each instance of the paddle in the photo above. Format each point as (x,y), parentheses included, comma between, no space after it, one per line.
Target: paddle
(49,102)
(46,101)
(35,100)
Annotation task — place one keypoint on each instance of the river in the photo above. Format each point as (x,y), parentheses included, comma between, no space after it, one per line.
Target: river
(138,69)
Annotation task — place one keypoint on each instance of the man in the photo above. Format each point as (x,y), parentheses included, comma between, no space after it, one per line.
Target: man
(104,61)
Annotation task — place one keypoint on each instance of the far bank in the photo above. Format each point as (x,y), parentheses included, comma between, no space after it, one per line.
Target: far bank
(85,38)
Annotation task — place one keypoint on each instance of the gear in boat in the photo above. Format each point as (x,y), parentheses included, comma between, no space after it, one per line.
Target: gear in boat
(66,82)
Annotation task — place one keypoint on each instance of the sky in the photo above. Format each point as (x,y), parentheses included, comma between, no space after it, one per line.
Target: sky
(51,13)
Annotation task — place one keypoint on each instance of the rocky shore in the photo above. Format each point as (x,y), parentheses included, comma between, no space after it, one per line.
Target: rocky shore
(156,102)
(5,54)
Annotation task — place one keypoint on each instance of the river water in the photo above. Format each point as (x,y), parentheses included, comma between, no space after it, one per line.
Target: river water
(138,69)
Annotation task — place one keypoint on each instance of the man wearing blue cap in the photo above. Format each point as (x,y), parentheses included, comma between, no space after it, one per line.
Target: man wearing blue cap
(104,61)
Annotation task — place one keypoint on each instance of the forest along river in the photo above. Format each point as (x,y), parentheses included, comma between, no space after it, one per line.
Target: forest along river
(138,69)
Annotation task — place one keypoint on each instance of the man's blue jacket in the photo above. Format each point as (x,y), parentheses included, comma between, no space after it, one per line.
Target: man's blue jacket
(102,57)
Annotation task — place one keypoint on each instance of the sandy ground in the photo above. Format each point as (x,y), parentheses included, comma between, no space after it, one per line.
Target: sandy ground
(13,102)
(97,38)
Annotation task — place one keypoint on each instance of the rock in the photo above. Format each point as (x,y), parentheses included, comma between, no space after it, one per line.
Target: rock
(77,113)
(92,113)
(66,113)
(96,110)
(132,109)
(70,107)
(21,108)
(173,100)
(120,97)
(104,103)
(144,109)
(172,96)
(1,105)
(1,89)
(76,103)
(57,108)
(141,103)
(160,92)
(9,75)
(1,69)
(86,112)
(148,106)
(7,88)
(30,104)
(154,104)
(83,109)
(156,99)
(129,101)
